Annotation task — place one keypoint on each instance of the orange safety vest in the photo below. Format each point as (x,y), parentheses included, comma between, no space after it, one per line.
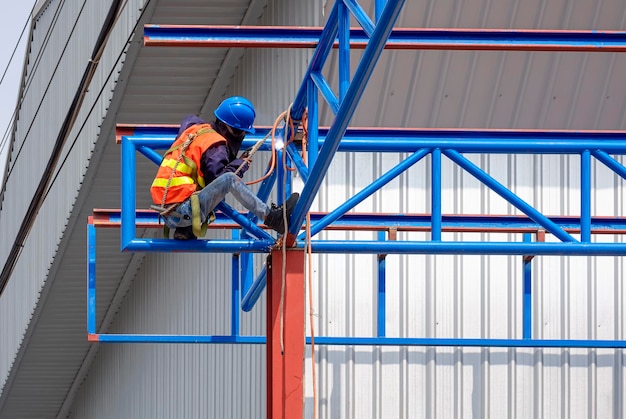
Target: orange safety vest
(179,175)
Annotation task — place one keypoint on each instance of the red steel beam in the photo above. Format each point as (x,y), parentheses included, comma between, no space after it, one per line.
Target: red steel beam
(285,335)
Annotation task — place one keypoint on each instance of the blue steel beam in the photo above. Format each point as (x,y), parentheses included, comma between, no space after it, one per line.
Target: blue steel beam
(243,221)
(361,16)
(154,338)
(363,341)
(252,293)
(504,343)
(386,247)
(399,38)
(610,162)
(199,246)
(298,162)
(466,248)
(405,140)
(375,247)
(326,90)
(111,218)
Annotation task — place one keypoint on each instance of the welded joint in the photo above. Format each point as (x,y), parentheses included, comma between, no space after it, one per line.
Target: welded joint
(540,236)
(392,234)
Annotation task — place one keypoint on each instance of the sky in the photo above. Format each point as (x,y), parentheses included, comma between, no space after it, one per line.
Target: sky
(15,15)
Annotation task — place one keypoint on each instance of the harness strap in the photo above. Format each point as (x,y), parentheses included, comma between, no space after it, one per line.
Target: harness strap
(189,162)
(199,226)
(167,210)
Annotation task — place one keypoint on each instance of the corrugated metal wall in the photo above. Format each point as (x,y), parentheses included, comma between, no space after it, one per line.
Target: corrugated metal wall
(55,67)
(62,43)
(428,296)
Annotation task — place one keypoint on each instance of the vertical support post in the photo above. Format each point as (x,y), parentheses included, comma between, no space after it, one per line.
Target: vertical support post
(235,297)
(435,233)
(91,277)
(285,335)
(129,204)
(527,299)
(382,285)
(585,196)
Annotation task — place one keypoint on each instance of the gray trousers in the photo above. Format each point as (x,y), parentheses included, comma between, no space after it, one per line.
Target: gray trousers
(213,194)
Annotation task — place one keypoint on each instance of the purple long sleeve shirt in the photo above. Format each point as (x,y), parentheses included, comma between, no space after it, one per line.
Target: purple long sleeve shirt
(219,159)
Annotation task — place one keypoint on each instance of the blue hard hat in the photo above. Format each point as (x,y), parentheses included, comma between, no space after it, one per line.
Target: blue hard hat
(237,112)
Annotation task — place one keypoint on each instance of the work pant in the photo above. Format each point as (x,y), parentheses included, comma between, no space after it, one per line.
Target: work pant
(213,194)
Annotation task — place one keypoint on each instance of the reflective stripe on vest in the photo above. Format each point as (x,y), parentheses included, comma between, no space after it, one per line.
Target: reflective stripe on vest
(182,167)
(177,181)
(187,176)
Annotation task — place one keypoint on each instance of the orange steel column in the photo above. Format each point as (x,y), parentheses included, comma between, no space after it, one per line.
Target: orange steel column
(285,392)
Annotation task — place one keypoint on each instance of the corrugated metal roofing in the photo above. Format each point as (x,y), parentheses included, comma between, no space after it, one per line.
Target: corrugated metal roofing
(435,296)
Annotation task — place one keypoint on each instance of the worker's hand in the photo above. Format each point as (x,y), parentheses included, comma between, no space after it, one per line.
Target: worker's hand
(238,166)
(246,155)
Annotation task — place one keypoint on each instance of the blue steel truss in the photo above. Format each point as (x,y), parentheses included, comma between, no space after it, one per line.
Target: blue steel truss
(574,233)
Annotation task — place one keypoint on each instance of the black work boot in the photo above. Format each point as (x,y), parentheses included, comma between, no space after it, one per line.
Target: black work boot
(184,233)
(274,219)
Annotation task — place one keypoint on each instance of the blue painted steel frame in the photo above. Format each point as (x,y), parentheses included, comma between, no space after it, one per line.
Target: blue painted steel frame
(453,144)
(380,340)
(437,143)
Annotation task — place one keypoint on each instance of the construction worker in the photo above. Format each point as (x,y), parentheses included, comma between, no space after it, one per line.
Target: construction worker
(201,166)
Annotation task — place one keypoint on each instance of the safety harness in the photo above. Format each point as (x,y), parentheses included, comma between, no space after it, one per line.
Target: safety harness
(199,226)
